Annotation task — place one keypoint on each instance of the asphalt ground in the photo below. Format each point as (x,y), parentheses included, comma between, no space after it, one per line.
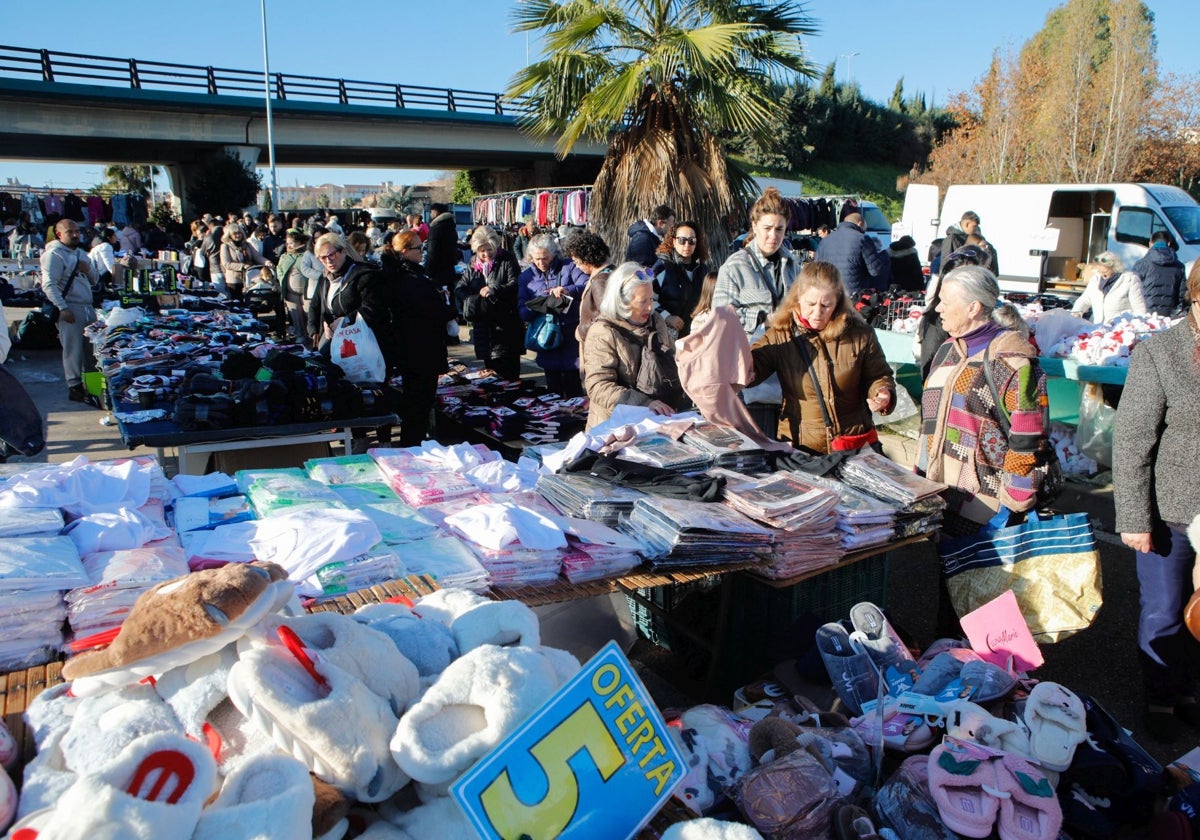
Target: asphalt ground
(1100,661)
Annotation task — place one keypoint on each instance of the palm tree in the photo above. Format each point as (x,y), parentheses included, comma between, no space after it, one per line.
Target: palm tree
(663,81)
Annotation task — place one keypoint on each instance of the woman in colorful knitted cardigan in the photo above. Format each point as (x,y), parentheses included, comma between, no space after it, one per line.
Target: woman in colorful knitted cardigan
(962,443)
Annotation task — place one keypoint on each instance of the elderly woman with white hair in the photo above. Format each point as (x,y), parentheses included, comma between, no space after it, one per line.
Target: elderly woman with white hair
(627,355)
(237,256)
(552,285)
(984,417)
(487,295)
(1110,290)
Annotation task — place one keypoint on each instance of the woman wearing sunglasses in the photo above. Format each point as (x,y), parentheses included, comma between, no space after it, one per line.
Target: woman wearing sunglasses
(679,275)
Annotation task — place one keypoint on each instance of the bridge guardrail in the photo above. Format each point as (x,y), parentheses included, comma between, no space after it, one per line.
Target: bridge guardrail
(56,66)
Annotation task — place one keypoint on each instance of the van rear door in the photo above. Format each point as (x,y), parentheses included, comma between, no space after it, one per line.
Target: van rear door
(920,216)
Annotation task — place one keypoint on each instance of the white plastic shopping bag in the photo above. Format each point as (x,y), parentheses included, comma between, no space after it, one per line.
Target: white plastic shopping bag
(355,350)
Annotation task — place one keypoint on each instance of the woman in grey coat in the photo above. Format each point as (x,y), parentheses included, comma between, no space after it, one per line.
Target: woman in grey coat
(1156,446)
(754,280)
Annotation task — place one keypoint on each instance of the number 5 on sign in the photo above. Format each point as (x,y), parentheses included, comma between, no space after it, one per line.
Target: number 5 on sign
(594,762)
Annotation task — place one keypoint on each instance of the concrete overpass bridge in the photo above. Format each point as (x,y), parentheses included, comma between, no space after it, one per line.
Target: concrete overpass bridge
(85,108)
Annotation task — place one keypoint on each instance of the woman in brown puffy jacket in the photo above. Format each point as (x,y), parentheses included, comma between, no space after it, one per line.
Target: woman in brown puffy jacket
(831,367)
(627,354)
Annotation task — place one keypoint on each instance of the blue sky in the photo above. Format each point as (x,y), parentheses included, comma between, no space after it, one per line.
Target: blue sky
(938,47)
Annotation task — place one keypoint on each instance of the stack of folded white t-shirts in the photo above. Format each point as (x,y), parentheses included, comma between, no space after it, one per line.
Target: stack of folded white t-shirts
(503,477)
(447,560)
(863,520)
(279,491)
(517,546)
(116,579)
(223,544)
(595,550)
(35,571)
(804,514)
(326,551)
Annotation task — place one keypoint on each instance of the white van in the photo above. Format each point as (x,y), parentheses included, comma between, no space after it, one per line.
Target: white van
(1042,232)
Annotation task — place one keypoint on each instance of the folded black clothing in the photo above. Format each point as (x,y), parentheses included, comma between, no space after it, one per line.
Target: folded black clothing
(202,412)
(649,479)
(806,461)
(240,365)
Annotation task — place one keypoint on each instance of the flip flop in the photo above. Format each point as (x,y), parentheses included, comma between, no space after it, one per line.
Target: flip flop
(1030,811)
(965,790)
(1056,720)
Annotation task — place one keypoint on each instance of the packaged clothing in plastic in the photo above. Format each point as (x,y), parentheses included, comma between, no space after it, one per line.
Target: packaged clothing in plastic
(271,495)
(30,521)
(119,530)
(447,560)
(496,526)
(40,563)
(304,540)
(138,568)
(347,469)
(344,576)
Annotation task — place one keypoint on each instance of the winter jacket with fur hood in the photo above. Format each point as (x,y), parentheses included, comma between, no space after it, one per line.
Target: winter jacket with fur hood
(849,364)
(612,357)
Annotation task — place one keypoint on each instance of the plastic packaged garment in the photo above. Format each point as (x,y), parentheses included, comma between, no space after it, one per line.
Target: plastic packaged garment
(447,560)
(122,529)
(224,544)
(351,575)
(496,526)
(348,469)
(275,494)
(39,564)
(31,521)
(138,568)
(302,541)
(502,476)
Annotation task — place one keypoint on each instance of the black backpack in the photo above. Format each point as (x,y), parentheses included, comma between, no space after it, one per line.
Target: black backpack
(37,331)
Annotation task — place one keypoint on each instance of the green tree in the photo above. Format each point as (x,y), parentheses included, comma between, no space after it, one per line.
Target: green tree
(323,200)
(896,103)
(221,184)
(125,179)
(464,187)
(661,81)
(828,87)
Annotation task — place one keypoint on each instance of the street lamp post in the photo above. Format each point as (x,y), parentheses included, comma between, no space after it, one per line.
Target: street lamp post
(270,123)
(848,56)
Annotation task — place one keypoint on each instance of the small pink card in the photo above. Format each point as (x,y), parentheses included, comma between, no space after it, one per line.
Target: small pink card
(997,631)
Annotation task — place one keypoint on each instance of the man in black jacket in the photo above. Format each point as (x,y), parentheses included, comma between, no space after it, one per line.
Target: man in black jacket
(1162,275)
(441,248)
(646,235)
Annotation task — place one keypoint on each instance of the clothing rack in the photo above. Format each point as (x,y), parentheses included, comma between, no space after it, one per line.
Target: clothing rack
(546,205)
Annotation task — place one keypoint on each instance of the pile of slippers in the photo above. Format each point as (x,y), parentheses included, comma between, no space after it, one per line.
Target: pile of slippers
(221,710)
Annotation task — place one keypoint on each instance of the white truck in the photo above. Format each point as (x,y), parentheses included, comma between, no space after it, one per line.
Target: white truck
(1042,232)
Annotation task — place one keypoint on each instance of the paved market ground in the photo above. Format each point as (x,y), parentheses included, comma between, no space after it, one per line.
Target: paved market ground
(1101,661)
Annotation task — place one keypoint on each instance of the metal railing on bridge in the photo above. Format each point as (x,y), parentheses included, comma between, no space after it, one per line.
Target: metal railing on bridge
(54,66)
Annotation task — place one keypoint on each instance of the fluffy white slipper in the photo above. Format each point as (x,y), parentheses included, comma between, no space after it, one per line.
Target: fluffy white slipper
(105,725)
(496,623)
(476,620)
(439,818)
(45,778)
(1057,724)
(445,605)
(267,797)
(178,622)
(155,788)
(426,643)
(339,729)
(195,689)
(709,829)
(365,654)
(9,753)
(480,698)
(51,712)
(239,738)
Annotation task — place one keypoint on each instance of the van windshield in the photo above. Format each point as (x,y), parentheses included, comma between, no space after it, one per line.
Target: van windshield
(1186,221)
(875,220)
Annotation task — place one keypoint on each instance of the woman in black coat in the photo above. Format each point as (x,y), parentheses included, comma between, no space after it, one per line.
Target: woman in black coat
(350,287)
(679,275)
(487,294)
(421,314)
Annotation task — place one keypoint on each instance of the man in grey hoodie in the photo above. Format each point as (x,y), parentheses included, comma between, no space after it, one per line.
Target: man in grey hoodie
(68,277)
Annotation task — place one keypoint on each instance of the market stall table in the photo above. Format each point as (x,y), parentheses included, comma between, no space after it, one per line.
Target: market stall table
(161,434)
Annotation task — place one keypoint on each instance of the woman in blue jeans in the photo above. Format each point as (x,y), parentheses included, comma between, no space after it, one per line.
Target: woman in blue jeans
(1156,447)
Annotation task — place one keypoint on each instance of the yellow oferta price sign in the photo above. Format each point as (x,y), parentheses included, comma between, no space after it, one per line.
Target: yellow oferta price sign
(594,762)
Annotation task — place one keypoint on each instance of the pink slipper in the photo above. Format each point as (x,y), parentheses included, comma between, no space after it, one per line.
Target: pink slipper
(1030,811)
(964,788)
